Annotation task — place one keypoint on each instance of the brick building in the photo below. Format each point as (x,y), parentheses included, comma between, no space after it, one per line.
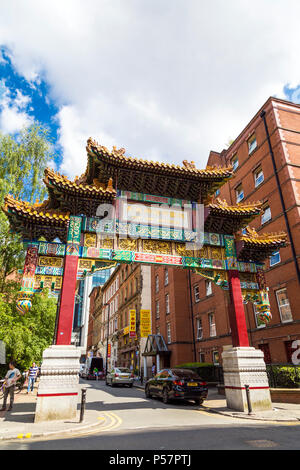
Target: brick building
(266,147)
(171,313)
(128,288)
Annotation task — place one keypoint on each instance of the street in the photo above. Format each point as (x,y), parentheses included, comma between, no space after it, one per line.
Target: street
(132,422)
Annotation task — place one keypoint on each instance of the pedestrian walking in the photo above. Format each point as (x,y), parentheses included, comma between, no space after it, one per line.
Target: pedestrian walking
(153,369)
(32,375)
(95,371)
(11,378)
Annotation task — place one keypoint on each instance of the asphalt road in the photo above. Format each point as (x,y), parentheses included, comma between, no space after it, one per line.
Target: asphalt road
(141,424)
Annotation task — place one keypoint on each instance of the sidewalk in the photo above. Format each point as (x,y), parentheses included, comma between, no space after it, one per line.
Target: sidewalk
(19,423)
(215,403)
(281,412)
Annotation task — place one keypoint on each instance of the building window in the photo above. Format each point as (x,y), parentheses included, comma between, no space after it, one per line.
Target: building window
(275,258)
(258,177)
(196,293)
(208,288)
(259,323)
(199,329)
(252,144)
(157,308)
(158,330)
(201,357)
(266,216)
(239,193)
(212,325)
(156,283)
(235,163)
(167,304)
(216,358)
(284,305)
(166,276)
(168,333)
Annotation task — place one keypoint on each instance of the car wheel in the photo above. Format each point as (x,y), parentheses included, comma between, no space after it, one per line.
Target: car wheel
(130,385)
(147,393)
(199,401)
(113,384)
(165,396)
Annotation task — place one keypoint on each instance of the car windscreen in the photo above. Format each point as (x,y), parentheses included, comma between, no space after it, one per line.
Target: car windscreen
(185,373)
(123,370)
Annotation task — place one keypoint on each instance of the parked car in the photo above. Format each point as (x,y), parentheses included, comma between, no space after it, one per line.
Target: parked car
(177,384)
(120,376)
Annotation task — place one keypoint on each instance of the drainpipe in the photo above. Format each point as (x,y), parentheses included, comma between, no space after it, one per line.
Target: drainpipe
(192,314)
(263,116)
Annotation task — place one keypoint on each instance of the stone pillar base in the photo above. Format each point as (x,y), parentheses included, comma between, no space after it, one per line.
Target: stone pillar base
(245,366)
(57,395)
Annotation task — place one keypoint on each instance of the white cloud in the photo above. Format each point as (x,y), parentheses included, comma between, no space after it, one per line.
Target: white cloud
(13,116)
(166,80)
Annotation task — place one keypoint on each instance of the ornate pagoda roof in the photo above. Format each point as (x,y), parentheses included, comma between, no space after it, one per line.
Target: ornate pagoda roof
(220,217)
(76,196)
(144,176)
(256,248)
(36,220)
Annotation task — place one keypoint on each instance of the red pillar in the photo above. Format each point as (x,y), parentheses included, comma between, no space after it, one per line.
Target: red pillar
(67,296)
(237,317)
(67,300)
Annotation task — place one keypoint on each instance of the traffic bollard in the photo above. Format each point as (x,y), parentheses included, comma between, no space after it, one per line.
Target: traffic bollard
(248,400)
(83,400)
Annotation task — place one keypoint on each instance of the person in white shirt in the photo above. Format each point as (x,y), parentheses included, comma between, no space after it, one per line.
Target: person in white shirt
(11,378)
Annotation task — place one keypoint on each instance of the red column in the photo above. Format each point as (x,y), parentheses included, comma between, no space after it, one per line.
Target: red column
(66,310)
(237,317)
(67,296)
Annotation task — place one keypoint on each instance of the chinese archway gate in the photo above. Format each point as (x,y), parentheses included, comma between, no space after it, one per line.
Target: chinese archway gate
(89,239)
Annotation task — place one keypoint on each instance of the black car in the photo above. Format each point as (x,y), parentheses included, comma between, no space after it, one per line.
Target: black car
(177,384)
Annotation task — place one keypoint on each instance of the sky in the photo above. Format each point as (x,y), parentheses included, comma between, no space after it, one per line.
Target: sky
(168,80)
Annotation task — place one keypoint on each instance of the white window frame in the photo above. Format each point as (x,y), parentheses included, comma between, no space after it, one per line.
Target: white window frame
(216,363)
(166,276)
(208,287)
(167,299)
(235,163)
(272,256)
(156,283)
(239,194)
(284,305)
(269,216)
(199,328)
(196,293)
(259,177)
(157,309)
(250,143)
(169,338)
(212,325)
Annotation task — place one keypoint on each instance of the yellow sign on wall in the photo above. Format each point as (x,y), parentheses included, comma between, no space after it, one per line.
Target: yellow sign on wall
(145,323)
(132,323)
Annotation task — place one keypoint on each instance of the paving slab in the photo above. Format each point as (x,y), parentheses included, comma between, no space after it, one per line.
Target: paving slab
(281,412)
(19,422)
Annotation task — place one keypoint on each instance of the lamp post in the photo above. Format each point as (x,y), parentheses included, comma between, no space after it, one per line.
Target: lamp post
(107,305)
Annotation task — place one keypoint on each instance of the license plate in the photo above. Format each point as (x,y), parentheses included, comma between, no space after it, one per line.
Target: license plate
(124,376)
(192,384)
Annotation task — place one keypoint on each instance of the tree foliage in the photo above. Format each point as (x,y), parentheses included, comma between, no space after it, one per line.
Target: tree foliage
(26,336)
(23,158)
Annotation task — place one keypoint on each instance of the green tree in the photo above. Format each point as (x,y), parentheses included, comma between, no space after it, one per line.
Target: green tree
(26,336)
(23,158)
